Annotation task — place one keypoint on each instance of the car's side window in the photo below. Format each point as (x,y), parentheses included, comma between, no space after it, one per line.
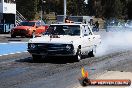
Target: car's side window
(42,22)
(38,24)
(90,33)
(85,30)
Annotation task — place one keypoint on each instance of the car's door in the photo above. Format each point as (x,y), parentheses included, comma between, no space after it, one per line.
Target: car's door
(87,39)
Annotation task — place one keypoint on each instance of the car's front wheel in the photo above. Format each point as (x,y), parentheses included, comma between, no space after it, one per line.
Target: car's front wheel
(13,36)
(36,57)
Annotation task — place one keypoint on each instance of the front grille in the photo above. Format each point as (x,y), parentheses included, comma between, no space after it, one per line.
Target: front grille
(51,48)
(20,31)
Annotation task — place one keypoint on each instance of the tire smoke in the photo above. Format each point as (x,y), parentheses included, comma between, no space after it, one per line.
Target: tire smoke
(114,42)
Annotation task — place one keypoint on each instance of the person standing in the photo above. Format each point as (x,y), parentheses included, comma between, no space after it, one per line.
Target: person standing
(97,26)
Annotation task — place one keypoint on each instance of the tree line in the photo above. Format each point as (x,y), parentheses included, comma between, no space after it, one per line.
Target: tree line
(106,9)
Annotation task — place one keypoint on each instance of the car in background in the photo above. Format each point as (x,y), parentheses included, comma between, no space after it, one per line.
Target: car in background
(29,28)
(114,25)
(128,25)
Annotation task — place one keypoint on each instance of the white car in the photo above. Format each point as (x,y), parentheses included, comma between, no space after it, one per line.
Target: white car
(66,39)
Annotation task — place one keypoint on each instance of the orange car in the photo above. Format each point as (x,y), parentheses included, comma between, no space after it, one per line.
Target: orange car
(28,28)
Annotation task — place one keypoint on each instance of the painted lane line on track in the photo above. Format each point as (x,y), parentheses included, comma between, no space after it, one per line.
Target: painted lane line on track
(14,43)
(13,53)
(129,86)
(12,48)
(18,42)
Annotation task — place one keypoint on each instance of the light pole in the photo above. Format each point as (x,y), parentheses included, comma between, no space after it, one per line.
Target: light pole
(42,8)
(64,10)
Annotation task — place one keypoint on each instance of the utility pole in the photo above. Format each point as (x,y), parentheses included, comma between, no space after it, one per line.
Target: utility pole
(42,9)
(64,10)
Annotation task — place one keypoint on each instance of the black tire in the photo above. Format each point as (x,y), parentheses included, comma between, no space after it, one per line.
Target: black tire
(37,57)
(26,36)
(13,36)
(31,36)
(78,55)
(91,54)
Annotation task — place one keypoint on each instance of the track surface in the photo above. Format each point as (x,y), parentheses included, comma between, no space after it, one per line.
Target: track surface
(20,71)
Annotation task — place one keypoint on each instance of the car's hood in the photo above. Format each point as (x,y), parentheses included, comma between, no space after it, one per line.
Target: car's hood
(22,27)
(63,39)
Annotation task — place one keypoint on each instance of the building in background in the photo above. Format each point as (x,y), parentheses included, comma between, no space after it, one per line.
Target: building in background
(84,19)
(7,15)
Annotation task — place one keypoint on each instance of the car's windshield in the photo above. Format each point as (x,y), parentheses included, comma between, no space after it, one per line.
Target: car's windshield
(27,24)
(63,30)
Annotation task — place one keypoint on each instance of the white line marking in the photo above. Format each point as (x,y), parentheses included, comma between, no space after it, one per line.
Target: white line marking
(13,42)
(18,42)
(12,53)
(3,43)
(129,86)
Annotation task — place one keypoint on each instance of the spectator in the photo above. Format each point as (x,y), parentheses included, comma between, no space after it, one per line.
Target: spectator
(91,22)
(33,33)
(97,26)
(67,20)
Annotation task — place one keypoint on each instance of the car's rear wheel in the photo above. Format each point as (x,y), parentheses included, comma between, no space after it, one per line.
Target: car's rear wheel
(78,55)
(91,54)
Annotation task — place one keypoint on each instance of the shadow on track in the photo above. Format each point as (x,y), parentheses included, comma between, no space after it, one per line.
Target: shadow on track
(53,60)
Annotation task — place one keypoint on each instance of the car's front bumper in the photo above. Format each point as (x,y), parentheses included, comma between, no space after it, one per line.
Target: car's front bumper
(51,53)
(20,33)
(51,50)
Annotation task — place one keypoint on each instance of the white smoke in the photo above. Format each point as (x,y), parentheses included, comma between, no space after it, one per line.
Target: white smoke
(114,42)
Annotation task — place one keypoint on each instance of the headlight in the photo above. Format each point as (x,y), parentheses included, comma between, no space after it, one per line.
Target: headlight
(31,46)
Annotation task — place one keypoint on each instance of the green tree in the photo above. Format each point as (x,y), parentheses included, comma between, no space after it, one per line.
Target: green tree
(98,8)
(91,7)
(113,9)
(76,7)
(54,6)
(28,10)
(71,7)
(129,7)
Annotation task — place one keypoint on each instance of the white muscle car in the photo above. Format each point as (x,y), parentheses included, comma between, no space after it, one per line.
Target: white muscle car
(66,39)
